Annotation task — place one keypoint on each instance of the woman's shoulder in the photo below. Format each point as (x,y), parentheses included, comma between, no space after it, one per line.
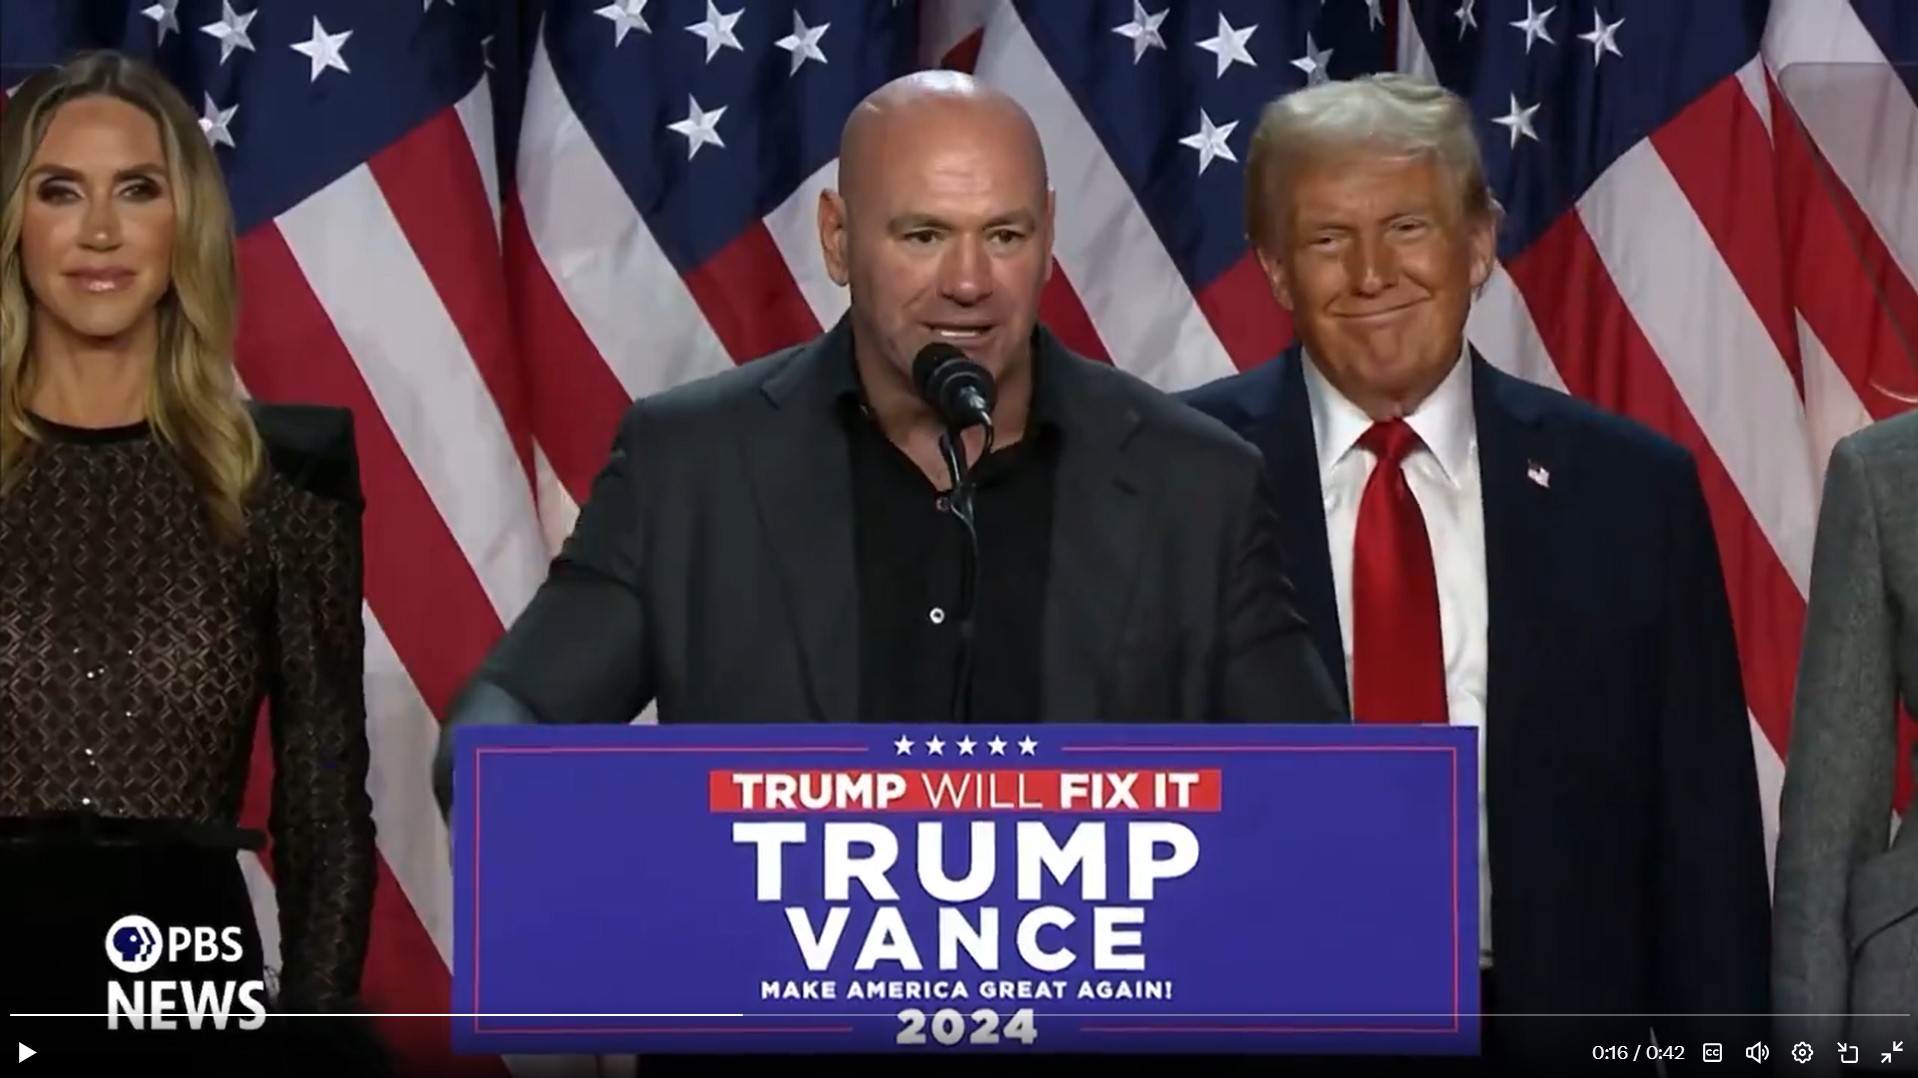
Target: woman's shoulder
(310,447)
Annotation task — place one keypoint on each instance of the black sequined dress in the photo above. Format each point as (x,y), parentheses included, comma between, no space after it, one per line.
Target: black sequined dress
(136,652)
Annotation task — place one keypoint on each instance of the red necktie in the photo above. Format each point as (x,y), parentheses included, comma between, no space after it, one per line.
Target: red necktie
(1398,655)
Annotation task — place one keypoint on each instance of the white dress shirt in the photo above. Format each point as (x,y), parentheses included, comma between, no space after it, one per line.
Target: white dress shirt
(1444,476)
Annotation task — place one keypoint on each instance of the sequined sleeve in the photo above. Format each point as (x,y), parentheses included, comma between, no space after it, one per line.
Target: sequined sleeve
(321,820)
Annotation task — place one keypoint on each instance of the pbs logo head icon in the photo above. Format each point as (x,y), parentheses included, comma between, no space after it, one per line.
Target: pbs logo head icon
(133,944)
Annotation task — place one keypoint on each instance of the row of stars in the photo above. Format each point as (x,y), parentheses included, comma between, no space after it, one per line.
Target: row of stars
(717,30)
(1231,44)
(965,745)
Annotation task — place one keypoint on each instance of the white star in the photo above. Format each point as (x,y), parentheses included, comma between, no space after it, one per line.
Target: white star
(626,15)
(997,745)
(904,745)
(1603,38)
(1518,121)
(936,747)
(165,15)
(1314,63)
(214,121)
(718,30)
(1026,745)
(1143,30)
(803,42)
(1466,19)
(231,30)
(324,50)
(1534,25)
(1229,45)
(1209,140)
(1373,16)
(700,127)
(965,746)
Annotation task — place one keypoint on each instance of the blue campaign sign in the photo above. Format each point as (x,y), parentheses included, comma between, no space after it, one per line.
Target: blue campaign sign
(829,888)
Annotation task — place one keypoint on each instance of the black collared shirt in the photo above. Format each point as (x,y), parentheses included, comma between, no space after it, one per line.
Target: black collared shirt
(909,550)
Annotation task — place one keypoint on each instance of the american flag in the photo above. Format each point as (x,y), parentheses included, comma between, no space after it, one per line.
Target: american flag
(486,226)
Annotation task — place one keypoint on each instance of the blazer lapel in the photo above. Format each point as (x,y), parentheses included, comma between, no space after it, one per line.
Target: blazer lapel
(1517,468)
(1282,430)
(1101,528)
(802,488)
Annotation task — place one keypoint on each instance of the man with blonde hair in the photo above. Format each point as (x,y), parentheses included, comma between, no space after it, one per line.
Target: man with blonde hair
(1474,549)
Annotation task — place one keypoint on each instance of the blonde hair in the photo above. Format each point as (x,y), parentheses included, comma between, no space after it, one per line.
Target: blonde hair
(193,400)
(1391,112)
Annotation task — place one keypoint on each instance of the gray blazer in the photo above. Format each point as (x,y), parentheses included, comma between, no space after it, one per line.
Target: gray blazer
(1846,905)
(712,568)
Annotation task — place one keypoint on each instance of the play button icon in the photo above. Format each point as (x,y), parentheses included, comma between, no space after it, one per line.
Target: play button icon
(26,1053)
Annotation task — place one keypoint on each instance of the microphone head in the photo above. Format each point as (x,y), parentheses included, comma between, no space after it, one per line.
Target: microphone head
(942,373)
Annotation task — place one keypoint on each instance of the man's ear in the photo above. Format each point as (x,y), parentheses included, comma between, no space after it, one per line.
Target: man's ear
(832,236)
(1275,276)
(1483,239)
(1051,203)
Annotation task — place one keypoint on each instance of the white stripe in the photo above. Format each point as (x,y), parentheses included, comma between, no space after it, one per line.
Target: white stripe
(794,227)
(1832,407)
(475,111)
(1702,327)
(1414,58)
(603,259)
(423,379)
(403,733)
(1771,780)
(1863,119)
(1130,287)
(557,509)
(1752,80)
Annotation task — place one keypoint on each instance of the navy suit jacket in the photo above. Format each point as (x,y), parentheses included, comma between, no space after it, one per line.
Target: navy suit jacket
(1625,835)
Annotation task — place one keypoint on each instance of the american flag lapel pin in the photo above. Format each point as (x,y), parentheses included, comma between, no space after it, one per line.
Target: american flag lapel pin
(1536,473)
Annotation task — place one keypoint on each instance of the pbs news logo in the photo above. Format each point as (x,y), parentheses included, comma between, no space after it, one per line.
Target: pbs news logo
(135,945)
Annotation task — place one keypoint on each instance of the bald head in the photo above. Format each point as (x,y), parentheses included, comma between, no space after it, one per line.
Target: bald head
(941,230)
(946,105)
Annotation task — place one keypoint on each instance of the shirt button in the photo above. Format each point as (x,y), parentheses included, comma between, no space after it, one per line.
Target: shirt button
(940,503)
(936,616)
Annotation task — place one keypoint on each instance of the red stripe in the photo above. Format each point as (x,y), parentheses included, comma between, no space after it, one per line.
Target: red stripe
(749,297)
(1063,314)
(1720,155)
(1603,356)
(573,396)
(1249,322)
(1846,284)
(965,55)
(434,187)
(418,581)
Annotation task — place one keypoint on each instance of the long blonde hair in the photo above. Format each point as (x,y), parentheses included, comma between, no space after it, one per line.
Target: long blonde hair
(193,400)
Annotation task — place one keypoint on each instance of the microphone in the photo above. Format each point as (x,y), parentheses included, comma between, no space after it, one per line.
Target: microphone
(960,391)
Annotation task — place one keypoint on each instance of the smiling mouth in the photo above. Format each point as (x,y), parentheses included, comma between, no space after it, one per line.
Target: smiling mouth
(103,282)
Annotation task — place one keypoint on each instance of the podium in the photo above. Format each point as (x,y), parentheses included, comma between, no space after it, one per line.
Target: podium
(966,889)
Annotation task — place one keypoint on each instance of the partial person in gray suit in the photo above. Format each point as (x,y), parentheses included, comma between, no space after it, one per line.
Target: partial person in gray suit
(1846,904)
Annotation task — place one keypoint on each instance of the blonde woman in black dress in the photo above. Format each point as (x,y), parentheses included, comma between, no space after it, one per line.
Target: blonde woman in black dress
(171,557)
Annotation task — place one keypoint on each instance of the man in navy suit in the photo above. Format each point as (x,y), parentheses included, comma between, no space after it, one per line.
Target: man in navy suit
(1474,549)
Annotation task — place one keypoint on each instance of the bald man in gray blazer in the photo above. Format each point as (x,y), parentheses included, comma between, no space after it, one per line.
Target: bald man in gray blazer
(1846,907)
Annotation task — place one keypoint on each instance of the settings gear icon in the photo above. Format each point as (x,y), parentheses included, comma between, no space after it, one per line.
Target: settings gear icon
(1801,1052)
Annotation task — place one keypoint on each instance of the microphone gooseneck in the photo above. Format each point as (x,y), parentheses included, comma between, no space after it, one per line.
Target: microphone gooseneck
(961,393)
